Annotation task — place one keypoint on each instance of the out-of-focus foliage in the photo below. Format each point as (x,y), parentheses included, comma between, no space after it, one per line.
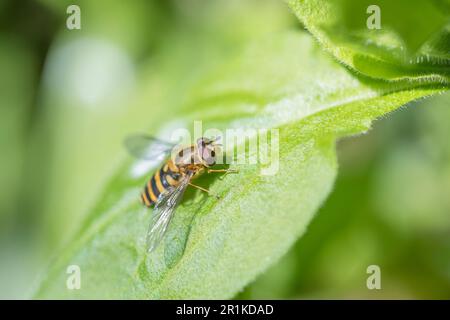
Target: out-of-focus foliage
(68,98)
(413,42)
(419,166)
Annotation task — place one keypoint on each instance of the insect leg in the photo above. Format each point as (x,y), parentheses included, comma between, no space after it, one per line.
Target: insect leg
(203,189)
(223,170)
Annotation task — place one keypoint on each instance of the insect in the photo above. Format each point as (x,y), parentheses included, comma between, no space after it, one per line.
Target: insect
(166,187)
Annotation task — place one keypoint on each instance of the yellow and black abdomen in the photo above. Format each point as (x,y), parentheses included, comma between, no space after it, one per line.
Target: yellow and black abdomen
(166,177)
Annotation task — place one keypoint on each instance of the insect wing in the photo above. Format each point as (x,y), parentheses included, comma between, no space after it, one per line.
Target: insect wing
(147,147)
(163,212)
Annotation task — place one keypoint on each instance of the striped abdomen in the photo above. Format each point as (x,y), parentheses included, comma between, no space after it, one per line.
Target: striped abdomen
(166,177)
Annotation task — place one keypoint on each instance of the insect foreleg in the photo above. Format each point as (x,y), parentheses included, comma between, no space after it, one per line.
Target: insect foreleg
(204,190)
(223,170)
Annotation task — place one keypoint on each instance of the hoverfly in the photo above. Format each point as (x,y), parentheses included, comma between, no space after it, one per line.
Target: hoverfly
(166,187)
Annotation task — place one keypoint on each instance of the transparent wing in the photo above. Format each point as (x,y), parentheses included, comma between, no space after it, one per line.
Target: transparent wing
(147,147)
(163,212)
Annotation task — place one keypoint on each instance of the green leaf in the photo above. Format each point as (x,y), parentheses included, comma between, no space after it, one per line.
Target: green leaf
(215,247)
(413,42)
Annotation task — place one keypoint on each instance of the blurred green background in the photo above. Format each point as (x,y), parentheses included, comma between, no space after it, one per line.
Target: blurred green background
(68,97)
